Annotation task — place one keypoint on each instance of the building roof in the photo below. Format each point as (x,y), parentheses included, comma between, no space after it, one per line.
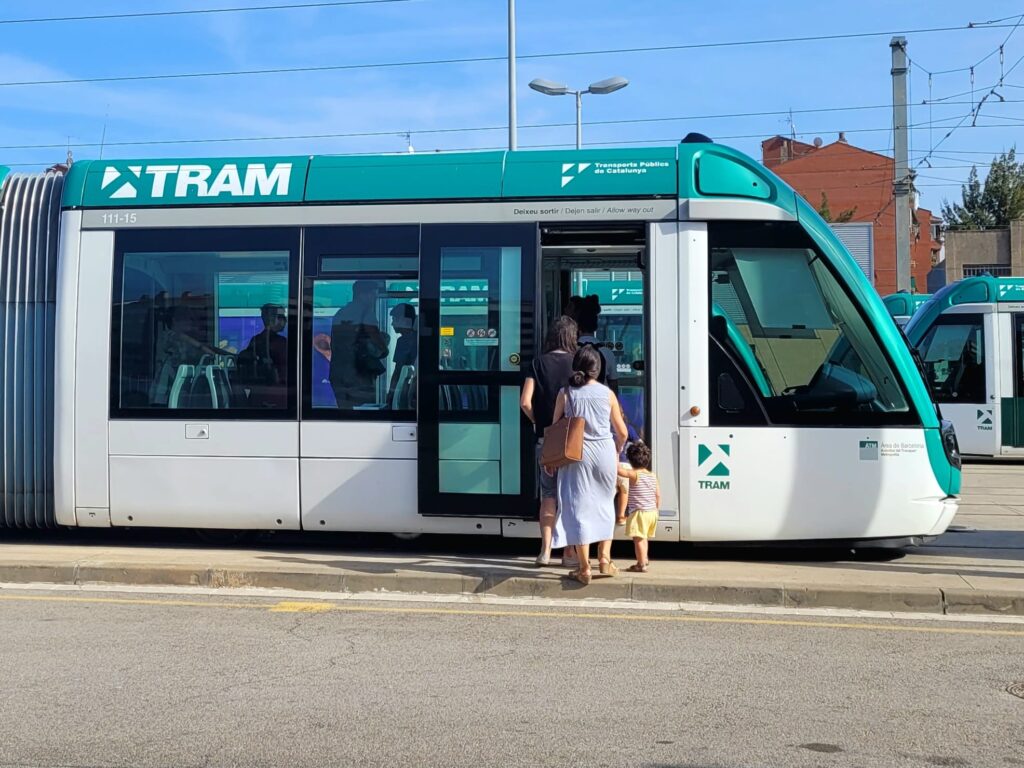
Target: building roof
(838,147)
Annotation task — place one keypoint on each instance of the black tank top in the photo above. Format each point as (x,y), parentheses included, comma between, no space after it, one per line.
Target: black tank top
(551,372)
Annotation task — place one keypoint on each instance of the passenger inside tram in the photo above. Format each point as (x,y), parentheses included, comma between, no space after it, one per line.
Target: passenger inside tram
(359,348)
(402,389)
(586,310)
(263,365)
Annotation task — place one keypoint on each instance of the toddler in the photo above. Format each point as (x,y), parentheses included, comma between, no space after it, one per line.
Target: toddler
(643,504)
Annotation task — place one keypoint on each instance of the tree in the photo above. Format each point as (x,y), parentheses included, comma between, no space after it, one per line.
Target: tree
(826,213)
(995,203)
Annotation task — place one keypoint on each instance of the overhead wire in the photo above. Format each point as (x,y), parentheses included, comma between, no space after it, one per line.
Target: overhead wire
(474,129)
(195,12)
(481,59)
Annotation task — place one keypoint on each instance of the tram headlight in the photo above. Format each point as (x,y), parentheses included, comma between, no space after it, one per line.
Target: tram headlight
(949,442)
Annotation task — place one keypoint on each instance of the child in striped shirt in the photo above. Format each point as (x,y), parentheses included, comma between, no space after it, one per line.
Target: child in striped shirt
(643,504)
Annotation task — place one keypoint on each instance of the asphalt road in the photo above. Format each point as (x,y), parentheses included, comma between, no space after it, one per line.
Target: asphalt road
(132,679)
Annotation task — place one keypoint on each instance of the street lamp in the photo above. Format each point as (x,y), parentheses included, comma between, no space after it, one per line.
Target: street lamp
(600,88)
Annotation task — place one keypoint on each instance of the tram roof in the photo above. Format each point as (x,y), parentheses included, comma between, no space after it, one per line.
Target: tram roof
(905,304)
(983,289)
(685,171)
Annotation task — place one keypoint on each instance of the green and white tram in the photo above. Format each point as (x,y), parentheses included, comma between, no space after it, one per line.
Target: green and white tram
(902,306)
(337,343)
(970,337)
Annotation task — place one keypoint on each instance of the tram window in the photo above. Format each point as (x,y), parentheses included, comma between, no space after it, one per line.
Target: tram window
(201,330)
(953,352)
(364,343)
(785,323)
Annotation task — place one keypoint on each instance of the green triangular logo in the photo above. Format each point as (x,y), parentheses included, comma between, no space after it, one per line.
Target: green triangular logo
(703,453)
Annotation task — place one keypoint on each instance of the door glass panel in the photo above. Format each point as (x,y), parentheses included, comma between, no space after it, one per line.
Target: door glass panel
(1013,408)
(1018,355)
(481,300)
(479,332)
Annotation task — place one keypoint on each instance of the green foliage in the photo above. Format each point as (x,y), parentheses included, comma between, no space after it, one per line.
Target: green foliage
(826,213)
(995,203)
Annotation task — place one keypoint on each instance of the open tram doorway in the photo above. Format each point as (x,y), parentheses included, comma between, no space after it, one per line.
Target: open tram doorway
(609,263)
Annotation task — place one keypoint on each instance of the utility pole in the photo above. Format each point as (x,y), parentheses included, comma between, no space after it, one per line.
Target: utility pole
(902,177)
(513,140)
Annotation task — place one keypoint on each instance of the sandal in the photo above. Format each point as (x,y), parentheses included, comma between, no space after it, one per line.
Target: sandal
(638,568)
(608,568)
(582,578)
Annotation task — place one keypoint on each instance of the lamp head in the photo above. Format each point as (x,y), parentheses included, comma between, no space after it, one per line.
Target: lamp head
(612,84)
(548,87)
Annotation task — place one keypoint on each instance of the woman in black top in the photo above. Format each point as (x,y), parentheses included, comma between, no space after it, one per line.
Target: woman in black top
(548,376)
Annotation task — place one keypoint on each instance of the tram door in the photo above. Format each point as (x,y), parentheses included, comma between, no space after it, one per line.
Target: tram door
(477,296)
(1013,403)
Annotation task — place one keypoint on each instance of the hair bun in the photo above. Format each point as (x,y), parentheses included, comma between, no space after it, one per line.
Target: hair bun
(578,379)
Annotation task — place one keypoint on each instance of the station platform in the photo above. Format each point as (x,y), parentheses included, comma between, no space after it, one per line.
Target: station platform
(977,567)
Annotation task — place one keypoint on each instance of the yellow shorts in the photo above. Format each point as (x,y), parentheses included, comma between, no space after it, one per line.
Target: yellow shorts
(642,524)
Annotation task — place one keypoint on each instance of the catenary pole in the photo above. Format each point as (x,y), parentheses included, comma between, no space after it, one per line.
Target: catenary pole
(513,139)
(902,180)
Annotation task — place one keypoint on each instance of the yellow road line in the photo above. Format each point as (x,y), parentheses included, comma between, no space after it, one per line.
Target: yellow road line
(287,606)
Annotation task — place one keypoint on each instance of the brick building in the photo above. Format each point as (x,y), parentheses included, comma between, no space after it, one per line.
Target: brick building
(848,179)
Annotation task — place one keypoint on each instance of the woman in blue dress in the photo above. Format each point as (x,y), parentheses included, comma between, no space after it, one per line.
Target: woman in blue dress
(586,489)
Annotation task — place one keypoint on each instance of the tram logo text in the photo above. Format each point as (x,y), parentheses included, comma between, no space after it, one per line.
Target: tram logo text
(196,180)
(713,463)
(985,419)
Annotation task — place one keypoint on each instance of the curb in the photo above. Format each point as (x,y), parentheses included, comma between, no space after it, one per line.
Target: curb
(514,584)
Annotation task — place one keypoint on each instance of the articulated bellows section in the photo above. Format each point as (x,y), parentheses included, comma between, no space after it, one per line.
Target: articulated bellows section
(29,221)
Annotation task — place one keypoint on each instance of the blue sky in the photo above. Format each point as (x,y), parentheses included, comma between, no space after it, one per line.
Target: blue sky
(692,84)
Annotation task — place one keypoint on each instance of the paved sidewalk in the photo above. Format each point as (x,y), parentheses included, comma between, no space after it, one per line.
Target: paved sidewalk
(977,568)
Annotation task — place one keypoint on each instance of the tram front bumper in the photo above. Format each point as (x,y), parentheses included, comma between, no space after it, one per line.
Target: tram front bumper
(950,505)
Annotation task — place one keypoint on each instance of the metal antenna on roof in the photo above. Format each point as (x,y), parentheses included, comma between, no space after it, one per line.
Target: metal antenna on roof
(103,136)
(792,125)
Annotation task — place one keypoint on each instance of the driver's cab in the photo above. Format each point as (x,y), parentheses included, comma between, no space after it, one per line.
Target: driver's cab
(784,332)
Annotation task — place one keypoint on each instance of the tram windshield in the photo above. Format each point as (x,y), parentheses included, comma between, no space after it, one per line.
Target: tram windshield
(815,354)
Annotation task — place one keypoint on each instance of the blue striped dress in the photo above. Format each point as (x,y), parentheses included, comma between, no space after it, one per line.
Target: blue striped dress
(586,489)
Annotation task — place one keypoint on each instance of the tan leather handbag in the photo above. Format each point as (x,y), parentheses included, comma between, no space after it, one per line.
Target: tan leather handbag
(563,441)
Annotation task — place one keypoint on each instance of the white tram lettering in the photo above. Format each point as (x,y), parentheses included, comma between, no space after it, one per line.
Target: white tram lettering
(192,176)
(274,183)
(160,174)
(229,181)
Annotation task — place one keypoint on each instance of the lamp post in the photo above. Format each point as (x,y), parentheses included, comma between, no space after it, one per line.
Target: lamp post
(513,140)
(600,88)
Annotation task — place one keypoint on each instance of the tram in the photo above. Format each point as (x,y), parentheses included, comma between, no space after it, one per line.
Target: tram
(970,337)
(902,306)
(335,343)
